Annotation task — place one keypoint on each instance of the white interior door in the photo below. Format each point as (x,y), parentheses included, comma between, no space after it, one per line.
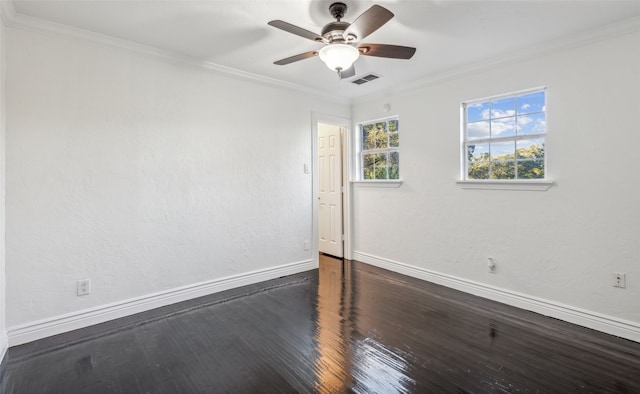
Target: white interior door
(330,189)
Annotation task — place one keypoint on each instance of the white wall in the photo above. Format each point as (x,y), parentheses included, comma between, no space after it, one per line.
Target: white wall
(559,246)
(3,325)
(145,175)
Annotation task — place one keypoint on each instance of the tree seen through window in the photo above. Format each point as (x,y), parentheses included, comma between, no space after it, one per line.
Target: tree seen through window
(379,155)
(504,138)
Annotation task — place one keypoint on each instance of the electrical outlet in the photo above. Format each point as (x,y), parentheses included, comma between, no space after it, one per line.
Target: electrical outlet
(83,287)
(491,265)
(307,245)
(619,280)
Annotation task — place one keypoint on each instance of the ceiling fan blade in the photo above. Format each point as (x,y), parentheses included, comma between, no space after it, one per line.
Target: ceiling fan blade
(384,50)
(348,73)
(296,58)
(298,31)
(370,21)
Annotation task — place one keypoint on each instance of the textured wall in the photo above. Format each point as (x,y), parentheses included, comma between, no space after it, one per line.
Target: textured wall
(144,175)
(561,245)
(3,325)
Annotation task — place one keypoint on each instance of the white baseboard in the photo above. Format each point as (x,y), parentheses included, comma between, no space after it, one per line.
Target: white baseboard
(608,324)
(4,344)
(32,331)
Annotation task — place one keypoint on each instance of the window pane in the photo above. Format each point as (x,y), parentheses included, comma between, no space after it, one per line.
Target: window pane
(477,111)
(504,127)
(504,135)
(502,160)
(531,169)
(531,149)
(394,165)
(477,130)
(379,155)
(393,126)
(368,137)
(534,102)
(504,107)
(381,166)
(503,150)
(381,135)
(532,124)
(477,152)
(381,172)
(393,140)
(503,169)
(374,165)
(479,170)
(368,166)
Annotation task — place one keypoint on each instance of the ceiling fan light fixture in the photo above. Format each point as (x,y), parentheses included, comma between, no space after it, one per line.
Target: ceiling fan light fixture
(339,57)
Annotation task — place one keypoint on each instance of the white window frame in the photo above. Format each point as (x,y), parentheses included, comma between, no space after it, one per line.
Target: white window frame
(501,184)
(359,179)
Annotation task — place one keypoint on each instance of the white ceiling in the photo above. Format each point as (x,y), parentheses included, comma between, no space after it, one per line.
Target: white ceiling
(448,34)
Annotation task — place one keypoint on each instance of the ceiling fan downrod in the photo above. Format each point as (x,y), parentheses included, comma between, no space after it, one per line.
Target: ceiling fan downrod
(333,31)
(338,10)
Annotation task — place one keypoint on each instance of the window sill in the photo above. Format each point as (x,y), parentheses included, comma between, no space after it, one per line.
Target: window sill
(533,185)
(382,183)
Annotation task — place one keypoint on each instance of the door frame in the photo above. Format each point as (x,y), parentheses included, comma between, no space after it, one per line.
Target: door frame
(346,143)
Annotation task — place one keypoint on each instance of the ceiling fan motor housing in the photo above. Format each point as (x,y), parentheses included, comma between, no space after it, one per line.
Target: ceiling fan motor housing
(333,31)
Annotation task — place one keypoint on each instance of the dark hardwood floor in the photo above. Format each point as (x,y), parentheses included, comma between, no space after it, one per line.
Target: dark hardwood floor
(343,328)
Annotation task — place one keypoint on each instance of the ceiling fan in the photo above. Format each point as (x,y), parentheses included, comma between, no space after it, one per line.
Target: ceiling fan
(340,38)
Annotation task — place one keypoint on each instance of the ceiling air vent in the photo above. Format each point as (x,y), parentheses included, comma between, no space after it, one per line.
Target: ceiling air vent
(365,79)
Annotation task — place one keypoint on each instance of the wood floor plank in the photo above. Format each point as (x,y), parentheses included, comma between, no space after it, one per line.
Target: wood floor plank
(346,327)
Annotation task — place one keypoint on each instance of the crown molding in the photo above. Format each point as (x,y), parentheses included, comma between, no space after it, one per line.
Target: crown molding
(12,19)
(24,22)
(584,38)
(7,11)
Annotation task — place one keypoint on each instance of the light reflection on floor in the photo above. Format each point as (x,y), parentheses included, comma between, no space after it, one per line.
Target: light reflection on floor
(346,358)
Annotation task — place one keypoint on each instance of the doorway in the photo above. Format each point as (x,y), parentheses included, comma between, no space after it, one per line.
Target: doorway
(331,192)
(330,218)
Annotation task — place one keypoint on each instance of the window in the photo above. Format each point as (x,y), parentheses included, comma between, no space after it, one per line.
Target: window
(503,137)
(379,144)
